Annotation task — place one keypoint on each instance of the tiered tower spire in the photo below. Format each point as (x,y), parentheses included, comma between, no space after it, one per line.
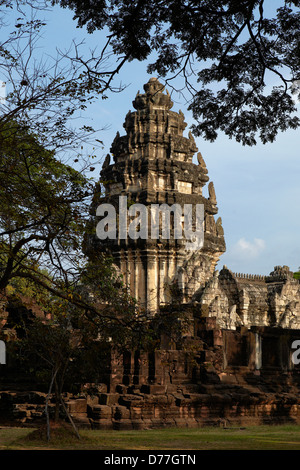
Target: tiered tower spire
(153,164)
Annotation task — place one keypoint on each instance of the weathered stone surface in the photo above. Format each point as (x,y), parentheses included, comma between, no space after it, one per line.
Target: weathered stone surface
(108,398)
(153,164)
(252,300)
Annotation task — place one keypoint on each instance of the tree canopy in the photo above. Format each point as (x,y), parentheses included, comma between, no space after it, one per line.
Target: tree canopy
(43,207)
(240,60)
(45,188)
(45,177)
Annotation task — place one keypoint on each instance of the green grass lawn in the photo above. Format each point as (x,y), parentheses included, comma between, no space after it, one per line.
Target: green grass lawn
(252,438)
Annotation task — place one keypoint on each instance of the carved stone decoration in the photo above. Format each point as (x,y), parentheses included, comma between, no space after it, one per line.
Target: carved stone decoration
(252,300)
(153,165)
(201,160)
(153,96)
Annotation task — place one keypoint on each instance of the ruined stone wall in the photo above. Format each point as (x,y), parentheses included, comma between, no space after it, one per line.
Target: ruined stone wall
(233,377)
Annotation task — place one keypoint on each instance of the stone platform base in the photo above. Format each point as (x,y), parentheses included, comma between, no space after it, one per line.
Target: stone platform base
(223,405)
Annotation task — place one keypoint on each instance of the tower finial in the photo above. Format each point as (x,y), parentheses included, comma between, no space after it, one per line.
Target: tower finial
(153,96)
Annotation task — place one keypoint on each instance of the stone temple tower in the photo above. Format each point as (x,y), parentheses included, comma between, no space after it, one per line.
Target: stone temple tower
(152,165)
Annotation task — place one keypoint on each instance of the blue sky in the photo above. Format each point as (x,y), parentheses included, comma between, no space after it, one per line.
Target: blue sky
(257,188)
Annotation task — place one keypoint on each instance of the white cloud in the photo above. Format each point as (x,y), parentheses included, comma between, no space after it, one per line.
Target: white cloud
(245,249)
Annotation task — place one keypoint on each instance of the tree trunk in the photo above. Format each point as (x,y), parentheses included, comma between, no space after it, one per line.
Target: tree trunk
(57,403)
(47,403)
